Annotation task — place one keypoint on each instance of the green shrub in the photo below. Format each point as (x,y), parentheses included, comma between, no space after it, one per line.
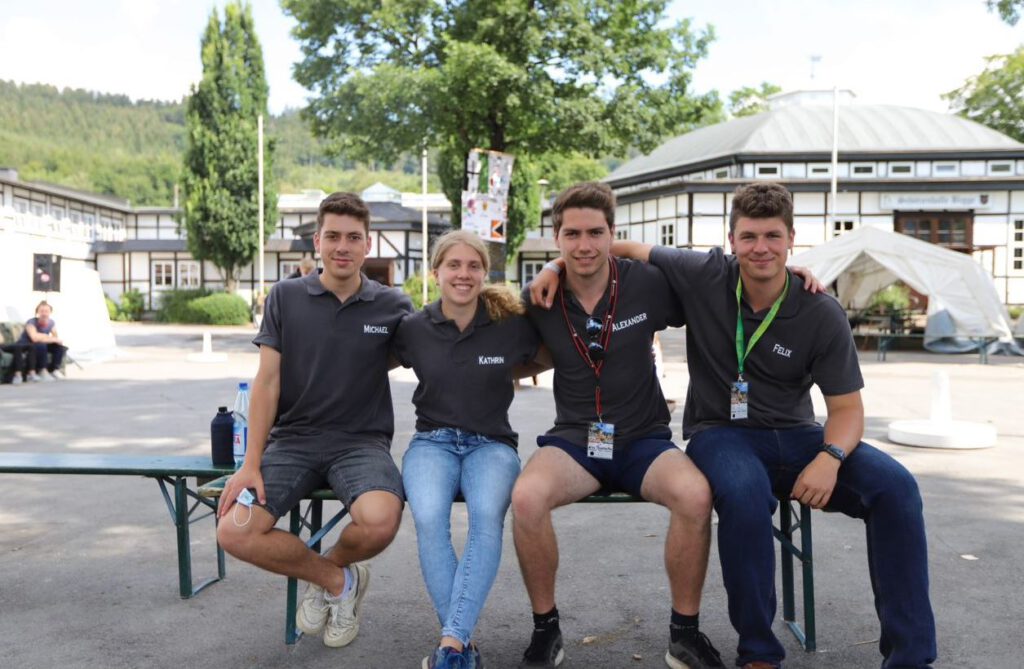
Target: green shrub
(413,287)
(132,304)
(892,298)
(175,305)
(112,311)
(219,309)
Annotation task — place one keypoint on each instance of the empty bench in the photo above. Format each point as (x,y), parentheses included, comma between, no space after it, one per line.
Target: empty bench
(311,521)
(169,471)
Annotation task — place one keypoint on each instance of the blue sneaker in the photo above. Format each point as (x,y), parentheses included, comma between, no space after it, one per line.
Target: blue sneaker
(446,657)
(473,658)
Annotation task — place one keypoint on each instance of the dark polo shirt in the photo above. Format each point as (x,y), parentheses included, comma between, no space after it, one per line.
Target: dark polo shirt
(334,359)
(465,377)
(809,342)
(631,395)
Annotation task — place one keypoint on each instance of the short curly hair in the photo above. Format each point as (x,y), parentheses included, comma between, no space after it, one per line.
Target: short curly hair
(764,199)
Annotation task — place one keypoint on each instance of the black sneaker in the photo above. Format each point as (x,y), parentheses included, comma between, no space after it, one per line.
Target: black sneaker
(545,650)
(693,653)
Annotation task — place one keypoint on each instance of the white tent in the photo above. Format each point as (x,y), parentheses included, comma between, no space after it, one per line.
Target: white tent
(868,259)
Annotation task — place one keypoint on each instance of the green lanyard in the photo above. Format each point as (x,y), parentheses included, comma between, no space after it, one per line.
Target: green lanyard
(741,354)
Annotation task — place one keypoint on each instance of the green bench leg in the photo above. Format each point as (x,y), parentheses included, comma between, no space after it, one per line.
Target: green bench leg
(181,516)
(805,635)
(316,532)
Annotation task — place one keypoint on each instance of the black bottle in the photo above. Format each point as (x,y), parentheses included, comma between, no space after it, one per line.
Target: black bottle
(221,437)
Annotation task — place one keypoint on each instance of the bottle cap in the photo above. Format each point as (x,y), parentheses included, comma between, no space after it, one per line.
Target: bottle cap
(222,409)
(243,386)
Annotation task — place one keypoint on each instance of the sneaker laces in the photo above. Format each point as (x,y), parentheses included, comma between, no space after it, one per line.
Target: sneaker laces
(704,648)
(342,611)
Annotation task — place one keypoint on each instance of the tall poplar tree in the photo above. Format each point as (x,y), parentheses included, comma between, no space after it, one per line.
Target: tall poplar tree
(220,179)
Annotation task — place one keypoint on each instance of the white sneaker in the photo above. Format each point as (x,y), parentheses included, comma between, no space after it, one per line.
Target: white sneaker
(32,377)
(46,377)
(312,614)
(16,380)
(343,616)
(57,375)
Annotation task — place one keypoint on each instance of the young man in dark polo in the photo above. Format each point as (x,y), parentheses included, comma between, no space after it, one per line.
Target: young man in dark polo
(321,415)
(756,342)
(611,428)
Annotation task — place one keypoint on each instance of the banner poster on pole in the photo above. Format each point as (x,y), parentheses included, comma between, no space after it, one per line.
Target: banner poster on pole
(485,200)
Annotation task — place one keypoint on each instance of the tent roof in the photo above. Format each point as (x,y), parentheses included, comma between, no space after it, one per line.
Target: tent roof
(868,259)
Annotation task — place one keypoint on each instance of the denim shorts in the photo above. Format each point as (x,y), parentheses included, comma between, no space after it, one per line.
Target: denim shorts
(626,471)
(293,469)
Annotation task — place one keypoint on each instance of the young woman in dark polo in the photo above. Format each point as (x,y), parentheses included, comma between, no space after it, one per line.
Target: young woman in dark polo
(466,348)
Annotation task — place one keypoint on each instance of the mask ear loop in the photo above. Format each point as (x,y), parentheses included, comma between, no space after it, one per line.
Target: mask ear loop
(234,515)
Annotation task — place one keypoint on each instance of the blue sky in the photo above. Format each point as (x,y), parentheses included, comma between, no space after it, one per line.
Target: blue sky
(905,52)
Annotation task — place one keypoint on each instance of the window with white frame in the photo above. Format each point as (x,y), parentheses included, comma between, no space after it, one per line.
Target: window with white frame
(38,208)
(863,169)
(901,169)
(945,169)
(57,212)
(188,274)
(820,170)
(1002,167)
(1018,245)
(287,268)
(722,173)
(531,268)
(839,227)
(667,233)
(768,170)
(162,274)
(21,205)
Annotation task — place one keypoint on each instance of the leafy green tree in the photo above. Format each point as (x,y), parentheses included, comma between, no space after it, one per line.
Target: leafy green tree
(751,100)
(994,97)
(1009,10)
(221,167)
(593,77)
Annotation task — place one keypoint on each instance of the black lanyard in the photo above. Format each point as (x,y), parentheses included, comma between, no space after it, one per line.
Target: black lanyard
(606,331)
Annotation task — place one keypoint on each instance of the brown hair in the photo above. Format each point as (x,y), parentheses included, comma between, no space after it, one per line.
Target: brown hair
(585,195)
(344,204)
(500,301)
(765,199)
(44,303)
(307,265)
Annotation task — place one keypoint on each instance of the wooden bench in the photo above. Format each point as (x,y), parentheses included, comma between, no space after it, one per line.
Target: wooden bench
(168,471)
(311,520)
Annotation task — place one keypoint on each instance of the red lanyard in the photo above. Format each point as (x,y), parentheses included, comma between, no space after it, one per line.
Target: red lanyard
(606,331)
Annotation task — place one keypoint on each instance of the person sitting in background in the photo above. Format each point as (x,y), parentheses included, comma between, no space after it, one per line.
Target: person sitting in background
(306,265)
(46,352)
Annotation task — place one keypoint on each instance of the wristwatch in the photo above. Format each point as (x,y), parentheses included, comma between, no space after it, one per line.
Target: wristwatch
(836,452)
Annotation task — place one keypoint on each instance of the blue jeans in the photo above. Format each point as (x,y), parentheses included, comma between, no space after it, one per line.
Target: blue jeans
(438,465)
(747,468)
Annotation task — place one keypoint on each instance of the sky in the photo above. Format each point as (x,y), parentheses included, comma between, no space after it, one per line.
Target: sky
(902,52)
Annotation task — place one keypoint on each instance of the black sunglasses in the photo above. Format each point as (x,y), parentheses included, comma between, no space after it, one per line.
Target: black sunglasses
(594,349)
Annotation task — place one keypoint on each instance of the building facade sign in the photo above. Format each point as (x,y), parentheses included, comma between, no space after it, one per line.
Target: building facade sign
(933,201)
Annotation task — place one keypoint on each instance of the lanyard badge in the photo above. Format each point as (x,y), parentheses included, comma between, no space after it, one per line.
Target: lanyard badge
(600,435)
(739,391)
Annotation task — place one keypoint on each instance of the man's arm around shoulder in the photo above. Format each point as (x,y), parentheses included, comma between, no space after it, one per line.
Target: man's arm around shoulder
(266,390)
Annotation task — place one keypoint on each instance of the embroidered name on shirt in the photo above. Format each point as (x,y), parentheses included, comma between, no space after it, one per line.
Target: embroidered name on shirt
(621,325)
(784,352)
(375,329)
(490,360)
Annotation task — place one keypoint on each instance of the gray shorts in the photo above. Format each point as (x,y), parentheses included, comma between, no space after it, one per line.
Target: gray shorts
(291,470)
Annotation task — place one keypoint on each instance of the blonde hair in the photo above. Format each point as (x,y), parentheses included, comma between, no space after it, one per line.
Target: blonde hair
(500,301)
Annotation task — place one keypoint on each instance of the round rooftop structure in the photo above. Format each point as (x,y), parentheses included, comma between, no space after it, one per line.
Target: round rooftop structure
(806,130)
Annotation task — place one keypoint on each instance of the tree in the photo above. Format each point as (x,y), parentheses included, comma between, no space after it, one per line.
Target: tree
(750,100)
(1009,10)
(993,97)
(531,78)
(221,166)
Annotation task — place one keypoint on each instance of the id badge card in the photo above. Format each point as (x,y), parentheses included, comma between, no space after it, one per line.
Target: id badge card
(738,400)
(600,441)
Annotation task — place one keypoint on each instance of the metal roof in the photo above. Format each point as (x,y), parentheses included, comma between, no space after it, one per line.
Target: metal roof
(807,129)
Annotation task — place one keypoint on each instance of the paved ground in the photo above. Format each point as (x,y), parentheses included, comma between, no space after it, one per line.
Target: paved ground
(88,566)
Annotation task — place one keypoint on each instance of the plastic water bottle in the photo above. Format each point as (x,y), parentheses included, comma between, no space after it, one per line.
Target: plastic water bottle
(222,430)
(240,434)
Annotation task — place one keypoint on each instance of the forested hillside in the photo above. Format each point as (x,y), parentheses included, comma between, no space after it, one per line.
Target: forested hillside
(108,144)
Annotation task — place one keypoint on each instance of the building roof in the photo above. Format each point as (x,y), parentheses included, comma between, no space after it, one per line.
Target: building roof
(807,129)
